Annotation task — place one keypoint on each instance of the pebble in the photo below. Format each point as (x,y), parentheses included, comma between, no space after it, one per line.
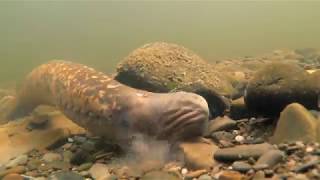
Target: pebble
(242,152)
(231,175)
(14,170)
(184,171)
(241,166)
(239,138)
(20,160)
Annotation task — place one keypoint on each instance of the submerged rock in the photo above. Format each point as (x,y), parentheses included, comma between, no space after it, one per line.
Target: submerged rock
(164,67)
(296,123)
(198,154)
(279,84)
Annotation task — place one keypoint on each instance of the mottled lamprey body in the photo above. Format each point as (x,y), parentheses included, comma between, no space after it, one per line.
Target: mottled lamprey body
(108,108)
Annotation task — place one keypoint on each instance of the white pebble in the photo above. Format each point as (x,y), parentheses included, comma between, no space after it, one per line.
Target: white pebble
(235,132)
(239,138)
(309,149)
(70,140)
(184,171)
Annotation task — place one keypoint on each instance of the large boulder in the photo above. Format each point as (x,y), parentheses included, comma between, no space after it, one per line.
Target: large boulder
(278,84)
(165,67)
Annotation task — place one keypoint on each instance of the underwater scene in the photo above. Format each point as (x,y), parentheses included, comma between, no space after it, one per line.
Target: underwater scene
(159,90)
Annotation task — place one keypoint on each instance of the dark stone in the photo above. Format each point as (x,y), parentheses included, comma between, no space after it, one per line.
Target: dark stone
(278,84)
(242,152)
(241,166)
(81,157)
(165,67)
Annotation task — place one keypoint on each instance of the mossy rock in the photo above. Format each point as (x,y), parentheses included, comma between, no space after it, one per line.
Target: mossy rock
(164,67)
(278,84)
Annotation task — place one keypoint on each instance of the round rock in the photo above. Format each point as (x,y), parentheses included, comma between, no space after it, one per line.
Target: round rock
(164,67)
(278,84)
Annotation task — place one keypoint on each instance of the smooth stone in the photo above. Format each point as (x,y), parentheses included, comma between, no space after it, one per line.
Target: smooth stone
(64,175)
(295,124)
(197,153)
(221,124)
(271,158)
(80,157)
(49,157)
(159,175)
(241,166)
(99,171)
(259,176)
(279,84)
(13,177)
(164,67)
(20,160)
(205,177)
(242,152)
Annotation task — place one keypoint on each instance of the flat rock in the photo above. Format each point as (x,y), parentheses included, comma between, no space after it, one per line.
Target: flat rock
(16,139)
(242,152)
(279,84)
(198,153)
(296,123)
(163,67)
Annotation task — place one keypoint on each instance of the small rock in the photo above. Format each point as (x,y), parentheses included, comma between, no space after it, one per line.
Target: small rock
(49,157)
(80,157)
(99,171)
(198,153)
(239,138)
(20,160)
(64,175)
(271,158)
(242,152)
(59,165)
(241,166)
(259,176)
(80,139)
(33,164)
(184,171)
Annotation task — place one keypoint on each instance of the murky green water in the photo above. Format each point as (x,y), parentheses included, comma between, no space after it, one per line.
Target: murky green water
(101,33)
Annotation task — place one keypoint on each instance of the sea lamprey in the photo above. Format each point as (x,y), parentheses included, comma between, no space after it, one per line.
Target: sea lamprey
(108,108)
